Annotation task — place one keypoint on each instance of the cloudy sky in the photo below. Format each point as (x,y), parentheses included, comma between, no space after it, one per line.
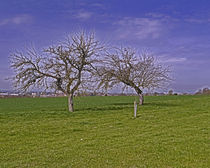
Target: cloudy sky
(176,32)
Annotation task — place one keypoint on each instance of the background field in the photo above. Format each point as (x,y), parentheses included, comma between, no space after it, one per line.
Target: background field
(170,131)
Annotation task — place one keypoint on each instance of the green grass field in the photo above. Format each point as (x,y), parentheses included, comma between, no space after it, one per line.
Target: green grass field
(170,131)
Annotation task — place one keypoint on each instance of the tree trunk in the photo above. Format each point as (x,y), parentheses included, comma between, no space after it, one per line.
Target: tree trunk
(141,99)
(70,103)
(140,94)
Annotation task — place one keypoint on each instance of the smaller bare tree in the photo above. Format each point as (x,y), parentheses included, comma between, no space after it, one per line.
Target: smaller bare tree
(63,67)
(138,72)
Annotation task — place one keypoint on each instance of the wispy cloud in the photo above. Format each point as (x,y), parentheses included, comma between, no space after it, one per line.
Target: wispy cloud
(98,5)
(193,20)
(164,59)
(20,19)
(167,18)
(159,16)
(83,15)
(197,20)
(139,28)
(162,17)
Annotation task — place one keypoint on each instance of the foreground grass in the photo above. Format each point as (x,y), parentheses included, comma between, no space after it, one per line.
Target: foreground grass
(170,131)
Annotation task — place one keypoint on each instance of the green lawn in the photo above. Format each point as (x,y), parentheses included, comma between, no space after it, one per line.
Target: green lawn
(170,131)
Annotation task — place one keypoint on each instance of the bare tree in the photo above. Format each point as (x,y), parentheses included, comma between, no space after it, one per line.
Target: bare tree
(64,67)
(138,72)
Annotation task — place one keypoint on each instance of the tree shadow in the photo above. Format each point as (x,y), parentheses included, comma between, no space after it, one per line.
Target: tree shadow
(160,104)
(112,108)
(119,104)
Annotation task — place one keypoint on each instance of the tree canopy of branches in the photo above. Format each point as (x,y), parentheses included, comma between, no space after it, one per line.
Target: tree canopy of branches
(64,67)
(136,71)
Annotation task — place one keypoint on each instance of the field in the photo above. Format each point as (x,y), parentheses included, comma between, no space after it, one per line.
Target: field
(169,131)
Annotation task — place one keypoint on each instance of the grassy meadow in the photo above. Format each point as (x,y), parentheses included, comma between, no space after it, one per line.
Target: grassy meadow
(169,131)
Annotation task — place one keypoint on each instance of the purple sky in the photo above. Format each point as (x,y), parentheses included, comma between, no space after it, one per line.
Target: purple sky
(176,32)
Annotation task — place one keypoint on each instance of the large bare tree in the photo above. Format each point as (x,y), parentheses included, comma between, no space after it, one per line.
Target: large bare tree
(64,67)
(139,72)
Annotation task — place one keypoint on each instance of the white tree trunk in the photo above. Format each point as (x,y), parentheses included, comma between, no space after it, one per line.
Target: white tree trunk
(141,99)
(70,103)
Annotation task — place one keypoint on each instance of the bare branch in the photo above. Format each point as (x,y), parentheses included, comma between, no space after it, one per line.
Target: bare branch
(62,67)
(136,71)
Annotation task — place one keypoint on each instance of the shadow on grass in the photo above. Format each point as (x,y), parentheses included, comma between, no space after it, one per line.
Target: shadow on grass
(109,108)
(116,107)
(161,104)
(125,104)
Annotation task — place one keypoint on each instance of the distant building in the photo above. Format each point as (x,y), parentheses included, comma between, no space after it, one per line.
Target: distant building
(33,94)
(203,91)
